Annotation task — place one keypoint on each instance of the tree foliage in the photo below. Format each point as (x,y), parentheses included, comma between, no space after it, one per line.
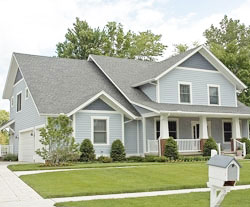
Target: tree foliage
(112,41)
(4,117)
(171,150)
(230,42)
(87,151)
(58,143)
(180,48)
(117,151)
(208,146)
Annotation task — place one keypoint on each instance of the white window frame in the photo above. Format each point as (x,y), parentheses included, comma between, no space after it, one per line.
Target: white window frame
(27,93)
(229,120)
(17,101)
(208,94)
(92,129)
(209,128)
(12,102)
(179,92)
(169,119)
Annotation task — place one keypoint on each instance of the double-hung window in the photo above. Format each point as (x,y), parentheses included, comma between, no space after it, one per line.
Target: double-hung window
(100,131)
(185,93)
(172,128)
(214,95)
(19,102)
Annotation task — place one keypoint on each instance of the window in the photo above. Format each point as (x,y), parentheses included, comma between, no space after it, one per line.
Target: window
(12,101)
(185,93)
(227,128)
(214,95)
(172,128)
(19,102)
(26,93)
(100,131)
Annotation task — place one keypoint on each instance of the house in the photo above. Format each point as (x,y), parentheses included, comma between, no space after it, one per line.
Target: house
(189,97)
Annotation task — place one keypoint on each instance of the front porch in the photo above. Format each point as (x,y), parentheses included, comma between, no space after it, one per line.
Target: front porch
(192,132)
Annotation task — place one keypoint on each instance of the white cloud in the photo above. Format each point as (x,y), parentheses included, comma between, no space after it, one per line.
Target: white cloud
(37,26)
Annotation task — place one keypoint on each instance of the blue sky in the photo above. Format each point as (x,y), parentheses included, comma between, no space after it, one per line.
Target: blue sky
(36,27)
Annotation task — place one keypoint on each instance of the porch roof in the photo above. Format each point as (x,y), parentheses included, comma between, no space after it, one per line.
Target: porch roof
(6,125)
(241,109)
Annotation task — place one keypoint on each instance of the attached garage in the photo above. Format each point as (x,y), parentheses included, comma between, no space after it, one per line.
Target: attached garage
(28,144)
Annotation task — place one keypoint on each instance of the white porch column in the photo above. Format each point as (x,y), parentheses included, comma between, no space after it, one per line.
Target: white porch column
(236,128)
(203,127)
(164,132)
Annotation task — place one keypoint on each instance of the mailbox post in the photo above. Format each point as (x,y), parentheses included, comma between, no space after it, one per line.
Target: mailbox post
(223,172)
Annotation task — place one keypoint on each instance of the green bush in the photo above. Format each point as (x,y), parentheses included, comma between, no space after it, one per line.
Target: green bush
(135,159)
(10,157)
(87,151)
(104,159)
(150,158)
(247,141)
(247,156)
(193,158)
(171,150)
(161,159)
(208,146)
(117,151)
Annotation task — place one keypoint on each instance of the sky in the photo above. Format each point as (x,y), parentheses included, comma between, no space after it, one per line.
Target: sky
(36,26)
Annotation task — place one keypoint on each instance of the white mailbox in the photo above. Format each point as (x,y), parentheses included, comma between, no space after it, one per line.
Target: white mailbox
(223,173)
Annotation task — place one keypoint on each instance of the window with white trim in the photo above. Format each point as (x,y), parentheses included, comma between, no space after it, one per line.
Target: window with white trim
(227,130)
(100,131)
(19,102)
(172,128)
(12,101)
(26,93)
(185,93)
(214,95)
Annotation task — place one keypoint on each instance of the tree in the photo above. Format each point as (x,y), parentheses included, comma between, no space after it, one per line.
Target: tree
(112,41)
(87,151)
(180,48)
(4,117)
(58,143)
(230,43)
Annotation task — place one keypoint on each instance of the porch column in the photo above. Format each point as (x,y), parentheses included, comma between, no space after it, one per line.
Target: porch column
(236,128)
(203,127)
(203,131)
(164,133)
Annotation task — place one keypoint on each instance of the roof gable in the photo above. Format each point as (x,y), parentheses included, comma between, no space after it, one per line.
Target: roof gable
(18,76)
(99,104)
(197,61)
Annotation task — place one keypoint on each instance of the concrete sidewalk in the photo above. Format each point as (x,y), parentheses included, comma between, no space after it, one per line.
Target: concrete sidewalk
(15,193)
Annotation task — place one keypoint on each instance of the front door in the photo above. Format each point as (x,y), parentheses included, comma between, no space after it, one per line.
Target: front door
(195,130)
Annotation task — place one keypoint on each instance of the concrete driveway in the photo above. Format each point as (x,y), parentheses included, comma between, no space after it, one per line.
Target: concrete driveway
(15,193)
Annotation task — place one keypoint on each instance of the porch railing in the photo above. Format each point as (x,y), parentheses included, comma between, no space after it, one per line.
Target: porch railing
(153,146)
(6,149)
(188,145)
(240,145)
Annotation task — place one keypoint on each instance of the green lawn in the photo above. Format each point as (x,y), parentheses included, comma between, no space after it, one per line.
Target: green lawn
(238,198)
(29,167)
(115,180)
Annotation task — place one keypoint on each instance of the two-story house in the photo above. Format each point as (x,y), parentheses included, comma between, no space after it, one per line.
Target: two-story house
(189,97)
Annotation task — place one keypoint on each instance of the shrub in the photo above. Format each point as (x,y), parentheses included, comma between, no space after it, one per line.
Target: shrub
(247,156)
(104,159)
(87,151)
(161,159)
(208,146)
(10,157)
(171,150)
(150,158)
(247,141)
(135,159)
(117,151)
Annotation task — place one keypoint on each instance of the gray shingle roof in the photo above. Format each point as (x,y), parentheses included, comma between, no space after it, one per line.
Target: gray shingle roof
(59,85)
(221,161)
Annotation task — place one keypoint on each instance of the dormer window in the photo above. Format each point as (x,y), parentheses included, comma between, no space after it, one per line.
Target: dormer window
(185,92)
(213,92)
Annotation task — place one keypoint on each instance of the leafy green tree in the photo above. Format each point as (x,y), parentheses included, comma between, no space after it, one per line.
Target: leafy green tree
(230,42)
(112,41)
(58,143)
(4,117)
(180,48)
(87,151)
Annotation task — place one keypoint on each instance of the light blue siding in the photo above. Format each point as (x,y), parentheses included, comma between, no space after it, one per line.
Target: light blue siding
(150,130)
(141,137)
(83,129)
(130,131)
(185,130)
(199,80)
(245,128)
(98,105)
(28,117)
(149,90)
(199,62)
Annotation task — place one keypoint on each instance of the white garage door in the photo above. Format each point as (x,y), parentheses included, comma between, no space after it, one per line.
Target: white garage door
(26,147)
(38,145)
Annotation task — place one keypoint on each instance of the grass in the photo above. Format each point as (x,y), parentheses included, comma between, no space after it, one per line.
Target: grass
(114,180)
(29,167)
(233,199)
